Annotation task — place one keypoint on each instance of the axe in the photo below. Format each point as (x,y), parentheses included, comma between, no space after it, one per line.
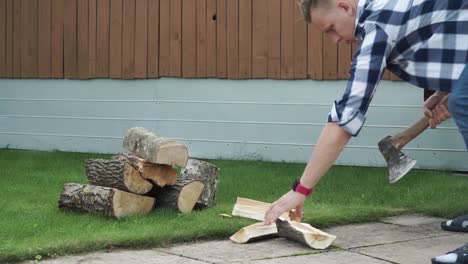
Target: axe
(397,162)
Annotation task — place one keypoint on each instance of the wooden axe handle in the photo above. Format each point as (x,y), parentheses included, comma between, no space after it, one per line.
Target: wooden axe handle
(401,139)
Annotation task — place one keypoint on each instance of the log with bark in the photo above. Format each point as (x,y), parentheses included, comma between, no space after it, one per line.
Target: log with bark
(153,148)
(105,201)
(304,234)
(254,232)
(206,173)
(158,174)
(256,210)
(181,196)
(116,173)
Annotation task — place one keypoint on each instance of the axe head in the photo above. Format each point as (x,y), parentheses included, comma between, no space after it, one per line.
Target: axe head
(397,162)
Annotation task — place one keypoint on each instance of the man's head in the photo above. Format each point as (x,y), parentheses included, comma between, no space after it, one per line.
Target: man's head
(336,18)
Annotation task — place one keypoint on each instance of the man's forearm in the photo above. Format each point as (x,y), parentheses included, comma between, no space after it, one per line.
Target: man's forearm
(331,142)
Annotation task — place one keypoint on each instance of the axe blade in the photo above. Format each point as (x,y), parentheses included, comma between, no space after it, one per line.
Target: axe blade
(397,162)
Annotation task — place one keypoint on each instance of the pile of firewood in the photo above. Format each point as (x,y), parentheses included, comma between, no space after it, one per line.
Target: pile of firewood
(145,179)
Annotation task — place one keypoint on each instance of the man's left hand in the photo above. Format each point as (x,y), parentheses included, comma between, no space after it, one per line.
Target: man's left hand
(287,202)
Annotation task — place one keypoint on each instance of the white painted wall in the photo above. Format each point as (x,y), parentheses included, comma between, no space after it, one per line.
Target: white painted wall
(243,119)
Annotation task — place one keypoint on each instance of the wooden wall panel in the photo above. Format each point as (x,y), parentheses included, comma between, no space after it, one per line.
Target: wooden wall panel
(70,49)
(314,53)
(274,39)
(57,37)
(3,15)
(300,45)
(128,39)
(83,39)
(44,14)
(344,61)
(164,38)
(287,39)
(189,38)
(211,38)
(141,39)
(260,39)
(115,38)
(9,39)
(29,38)
(102,38)
(330,59)
(201,38)
(175,61)
(233,39)
(153,38)
(221,39)
(17,39)
(245,39)
(92,39)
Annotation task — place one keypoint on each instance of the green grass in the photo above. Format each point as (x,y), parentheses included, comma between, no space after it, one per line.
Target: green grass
(31,224)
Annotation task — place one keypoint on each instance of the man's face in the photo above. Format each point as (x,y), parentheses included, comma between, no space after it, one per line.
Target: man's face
(337,21)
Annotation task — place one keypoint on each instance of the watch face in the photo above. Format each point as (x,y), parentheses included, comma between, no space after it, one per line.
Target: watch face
(295,184)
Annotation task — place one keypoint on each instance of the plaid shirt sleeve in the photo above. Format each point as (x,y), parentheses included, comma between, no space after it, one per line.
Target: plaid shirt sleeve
(367,68)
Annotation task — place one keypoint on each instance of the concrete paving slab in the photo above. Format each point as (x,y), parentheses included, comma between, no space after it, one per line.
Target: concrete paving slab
(412,220)
(227,251)
(416,251)
(127,256)
(331,257)
(352,236)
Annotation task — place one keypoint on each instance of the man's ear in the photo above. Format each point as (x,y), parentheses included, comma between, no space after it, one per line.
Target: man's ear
(346,6)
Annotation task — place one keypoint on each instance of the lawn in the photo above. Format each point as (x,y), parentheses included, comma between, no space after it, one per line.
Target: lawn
(31,224)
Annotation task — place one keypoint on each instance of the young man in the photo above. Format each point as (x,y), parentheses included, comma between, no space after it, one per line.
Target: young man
(424,42)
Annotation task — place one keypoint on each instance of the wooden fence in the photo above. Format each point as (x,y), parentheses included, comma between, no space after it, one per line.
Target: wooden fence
(137,39)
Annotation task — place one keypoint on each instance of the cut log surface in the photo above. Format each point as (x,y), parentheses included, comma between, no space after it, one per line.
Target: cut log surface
(116,173)
(207,173)
(153,148)
(304,234)
(254,232)
(181,196)
(256,210)
(158,174)
(105,201)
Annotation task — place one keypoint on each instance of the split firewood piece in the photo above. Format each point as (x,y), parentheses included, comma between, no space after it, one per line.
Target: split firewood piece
(207,173)
(103,201)
(304,234)
(155,149)
(256,210)
(181,196)
(159,174)
(116,173)
(254,232)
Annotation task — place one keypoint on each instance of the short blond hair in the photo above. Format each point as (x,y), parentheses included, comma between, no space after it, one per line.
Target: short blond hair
(306,5)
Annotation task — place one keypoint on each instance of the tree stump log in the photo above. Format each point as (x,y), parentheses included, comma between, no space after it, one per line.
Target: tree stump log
(182,196)
(206,173)
(254,232)
(116,173)
(256,210)
(304,234)
(104,201)
(161,175)
(153,148)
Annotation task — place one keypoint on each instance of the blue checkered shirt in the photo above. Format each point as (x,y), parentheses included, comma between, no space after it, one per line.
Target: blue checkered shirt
(424,42)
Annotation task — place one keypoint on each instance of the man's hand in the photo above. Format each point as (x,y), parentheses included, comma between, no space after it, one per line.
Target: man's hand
(436,113)
(287,202)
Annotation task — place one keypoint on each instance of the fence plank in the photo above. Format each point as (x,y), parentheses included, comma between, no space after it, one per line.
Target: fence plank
(314,55)
(201,38)
(29,39)
(17,39)
(57,38)
(153,39)
(102,38)
(274,39)
(141,39)
(43,41)
(300,45)
(189,38)
(70,40)
(287,39)
(115,50)
(9,39)
(211,38)
(330,59)
(233,39)
(245,39)
(128,39)
(344,61)
(260,39)
(83,39)
(3,39)
(176,38)
(25,58)
(164,38)
(221,35)
(92,38)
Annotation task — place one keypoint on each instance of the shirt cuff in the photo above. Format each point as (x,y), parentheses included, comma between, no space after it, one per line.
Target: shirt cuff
(350,120)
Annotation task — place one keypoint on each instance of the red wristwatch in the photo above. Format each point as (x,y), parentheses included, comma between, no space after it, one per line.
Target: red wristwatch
(298,187)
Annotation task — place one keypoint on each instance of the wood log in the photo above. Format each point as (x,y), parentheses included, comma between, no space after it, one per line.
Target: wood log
(206,173)
(256,210)
(116,173)
(254,232)
(105,201)
(181,196)
(153,148)
(304,234)
(158,174)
